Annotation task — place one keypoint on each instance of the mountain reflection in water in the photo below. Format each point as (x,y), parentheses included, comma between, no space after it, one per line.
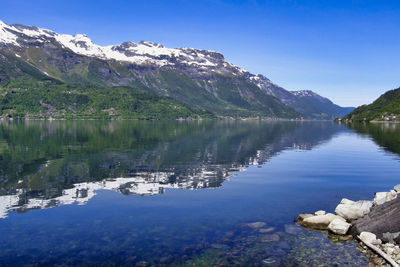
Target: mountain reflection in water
(384,134)
(50,163)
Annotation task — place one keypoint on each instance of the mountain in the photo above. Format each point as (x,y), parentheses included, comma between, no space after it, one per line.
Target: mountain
(317,107)
(200,79)
(385,108)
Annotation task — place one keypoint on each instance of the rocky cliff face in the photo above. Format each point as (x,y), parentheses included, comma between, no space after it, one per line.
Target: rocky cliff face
(198,77)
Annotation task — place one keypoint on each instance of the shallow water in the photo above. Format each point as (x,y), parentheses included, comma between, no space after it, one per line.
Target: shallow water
(182,193)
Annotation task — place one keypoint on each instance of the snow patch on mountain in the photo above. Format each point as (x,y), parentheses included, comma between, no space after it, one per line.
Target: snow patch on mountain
(6,36)
(304,93)
(310,94)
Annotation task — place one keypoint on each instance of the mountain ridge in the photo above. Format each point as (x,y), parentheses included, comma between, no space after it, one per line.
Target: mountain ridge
(202,78)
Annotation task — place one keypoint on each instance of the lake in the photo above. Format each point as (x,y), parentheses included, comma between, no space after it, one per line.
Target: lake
(143,193)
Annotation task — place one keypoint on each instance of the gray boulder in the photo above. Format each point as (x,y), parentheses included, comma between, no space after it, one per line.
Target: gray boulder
(383,218)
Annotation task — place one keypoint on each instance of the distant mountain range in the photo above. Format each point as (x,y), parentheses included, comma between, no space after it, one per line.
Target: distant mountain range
(385,108)
(43,73)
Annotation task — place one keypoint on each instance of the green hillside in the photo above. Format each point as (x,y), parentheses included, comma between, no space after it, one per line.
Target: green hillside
(44,85)
(385,108)
(27,92)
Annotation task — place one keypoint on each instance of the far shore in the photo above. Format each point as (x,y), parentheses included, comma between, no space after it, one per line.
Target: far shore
(160,119)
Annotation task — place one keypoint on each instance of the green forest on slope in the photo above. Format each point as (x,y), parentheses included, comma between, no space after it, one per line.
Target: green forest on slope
(26,92)
(385,108)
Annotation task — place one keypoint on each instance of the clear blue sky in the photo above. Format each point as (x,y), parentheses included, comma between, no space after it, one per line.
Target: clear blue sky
(346,50)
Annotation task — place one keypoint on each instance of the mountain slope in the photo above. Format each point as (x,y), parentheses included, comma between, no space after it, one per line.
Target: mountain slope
(316,106)
(26,92)
(200,78)
(385,108)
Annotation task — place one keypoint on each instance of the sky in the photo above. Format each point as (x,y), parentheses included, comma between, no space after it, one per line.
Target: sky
(348,51)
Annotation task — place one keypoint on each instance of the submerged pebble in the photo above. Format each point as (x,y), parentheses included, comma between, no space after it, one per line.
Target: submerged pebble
(267,230)
(271,238)
(256,225)
(271,261)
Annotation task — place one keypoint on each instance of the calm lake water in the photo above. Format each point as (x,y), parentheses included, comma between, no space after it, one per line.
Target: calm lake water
(136,193)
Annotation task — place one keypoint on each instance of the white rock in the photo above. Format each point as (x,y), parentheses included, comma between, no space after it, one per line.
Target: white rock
(392,195)
(320,212)
(389,250)
(339,227)
(383,197)
(320,222)
(351,210)
(397,188)
(346,201)
(301,217)
(380,198)
(370,238)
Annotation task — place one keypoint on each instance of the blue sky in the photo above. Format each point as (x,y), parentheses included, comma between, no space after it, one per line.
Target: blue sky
(348,51)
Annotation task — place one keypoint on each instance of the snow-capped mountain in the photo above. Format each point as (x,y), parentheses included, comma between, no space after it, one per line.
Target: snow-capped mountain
(137,53)
(309,102)
(309,94)
(198,77)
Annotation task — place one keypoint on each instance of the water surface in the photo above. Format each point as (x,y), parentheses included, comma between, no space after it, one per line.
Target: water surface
(182,193)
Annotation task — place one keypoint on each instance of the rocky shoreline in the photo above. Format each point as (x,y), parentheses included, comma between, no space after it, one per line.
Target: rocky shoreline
(375,223)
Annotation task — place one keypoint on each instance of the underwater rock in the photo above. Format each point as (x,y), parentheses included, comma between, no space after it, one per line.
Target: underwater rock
(352,210)
(284,245)
(270,238)
(143,264)
(271,261)
(229,234)
(339,227)
(293,229)
(272,251)
(220,246)
(267,230)
(167,259)
(256,225)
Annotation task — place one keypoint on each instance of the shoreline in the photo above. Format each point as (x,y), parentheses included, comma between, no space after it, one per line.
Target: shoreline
(161,119)
(374,223)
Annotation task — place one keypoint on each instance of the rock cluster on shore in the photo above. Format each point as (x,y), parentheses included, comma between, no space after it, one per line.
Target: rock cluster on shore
(379,217)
